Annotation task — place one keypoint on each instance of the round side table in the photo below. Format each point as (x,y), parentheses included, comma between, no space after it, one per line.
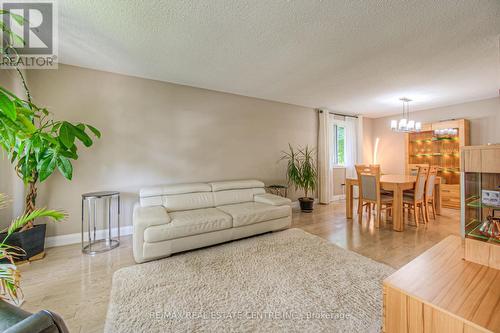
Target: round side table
(100,209)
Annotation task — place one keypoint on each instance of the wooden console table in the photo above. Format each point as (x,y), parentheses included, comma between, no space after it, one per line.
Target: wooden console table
(439,292)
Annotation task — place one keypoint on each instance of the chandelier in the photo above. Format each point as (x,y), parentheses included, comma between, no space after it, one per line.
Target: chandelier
(405,124)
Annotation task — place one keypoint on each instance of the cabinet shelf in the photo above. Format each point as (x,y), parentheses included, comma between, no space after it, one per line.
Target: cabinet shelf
(478,204)
(471,222)
(435,154)
(475,202)
(434,140)
(451,170)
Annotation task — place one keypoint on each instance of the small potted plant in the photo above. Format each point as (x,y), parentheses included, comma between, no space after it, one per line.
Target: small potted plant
(301,172)
(9,273)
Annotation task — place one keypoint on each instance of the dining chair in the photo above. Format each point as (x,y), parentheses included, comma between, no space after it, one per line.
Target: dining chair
(429,192)
(370,193)
(416,200)
(413,168)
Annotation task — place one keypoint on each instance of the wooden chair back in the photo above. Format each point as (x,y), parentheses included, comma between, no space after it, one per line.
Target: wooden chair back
(369,182)
(420,183)
(431,182)
(413,168)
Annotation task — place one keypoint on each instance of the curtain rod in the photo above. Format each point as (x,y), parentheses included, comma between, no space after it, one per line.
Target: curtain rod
(339,114)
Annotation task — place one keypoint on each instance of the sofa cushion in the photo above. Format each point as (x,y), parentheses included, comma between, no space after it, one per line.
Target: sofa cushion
(174,189)
(154,196)
(229,197)
(254,212)
(189,223)
(236,184)
(272,199)
(180,202)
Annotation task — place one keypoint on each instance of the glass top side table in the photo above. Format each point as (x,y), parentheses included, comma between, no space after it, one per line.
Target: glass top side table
(100,221)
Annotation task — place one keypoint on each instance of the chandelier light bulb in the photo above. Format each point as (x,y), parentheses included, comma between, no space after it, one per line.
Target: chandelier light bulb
(394,124)
(411,125)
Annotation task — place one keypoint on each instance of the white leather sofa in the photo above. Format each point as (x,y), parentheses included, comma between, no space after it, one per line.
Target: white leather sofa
(181,217)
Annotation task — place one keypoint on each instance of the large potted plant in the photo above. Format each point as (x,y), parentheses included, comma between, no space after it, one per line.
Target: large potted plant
(36,146)
(301,172)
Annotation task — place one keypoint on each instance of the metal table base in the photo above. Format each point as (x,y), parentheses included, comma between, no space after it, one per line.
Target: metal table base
(109,201)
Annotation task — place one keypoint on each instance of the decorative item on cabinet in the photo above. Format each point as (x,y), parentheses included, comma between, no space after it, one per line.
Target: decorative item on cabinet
(491,226)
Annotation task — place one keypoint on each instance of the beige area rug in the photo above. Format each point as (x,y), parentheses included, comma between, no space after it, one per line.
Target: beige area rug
(289,281)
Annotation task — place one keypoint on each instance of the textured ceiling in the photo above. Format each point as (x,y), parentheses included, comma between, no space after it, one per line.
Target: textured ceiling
(350,56)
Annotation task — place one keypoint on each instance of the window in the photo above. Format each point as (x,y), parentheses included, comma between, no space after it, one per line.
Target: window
(338,144)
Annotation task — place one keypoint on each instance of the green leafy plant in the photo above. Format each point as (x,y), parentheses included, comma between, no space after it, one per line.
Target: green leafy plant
(301,168)
(36,144)
(10,276)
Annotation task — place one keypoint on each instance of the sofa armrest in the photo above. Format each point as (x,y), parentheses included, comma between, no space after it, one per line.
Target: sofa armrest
(150,216)
(272,199)
(145,217)
(37,323)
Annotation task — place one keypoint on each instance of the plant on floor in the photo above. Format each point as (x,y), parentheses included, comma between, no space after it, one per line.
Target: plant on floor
(36,144)
(9,273)
(301,172)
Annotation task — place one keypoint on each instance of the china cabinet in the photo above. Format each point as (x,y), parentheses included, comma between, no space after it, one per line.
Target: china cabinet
(439,144)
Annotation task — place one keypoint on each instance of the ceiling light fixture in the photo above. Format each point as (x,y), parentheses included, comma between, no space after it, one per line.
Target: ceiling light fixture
(405,124)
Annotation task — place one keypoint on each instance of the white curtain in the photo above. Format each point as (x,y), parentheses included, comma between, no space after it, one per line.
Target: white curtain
(351,144)
(324,143)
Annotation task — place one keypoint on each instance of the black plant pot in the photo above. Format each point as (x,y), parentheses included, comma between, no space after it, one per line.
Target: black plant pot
(32,241)
(306,204)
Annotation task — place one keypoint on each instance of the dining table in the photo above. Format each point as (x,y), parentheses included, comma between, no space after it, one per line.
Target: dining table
(396,184)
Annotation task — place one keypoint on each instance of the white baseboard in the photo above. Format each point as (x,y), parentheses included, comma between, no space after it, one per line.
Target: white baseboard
(75,238)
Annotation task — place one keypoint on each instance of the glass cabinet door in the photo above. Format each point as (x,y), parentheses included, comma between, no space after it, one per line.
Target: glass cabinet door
(481,206)
(472,199)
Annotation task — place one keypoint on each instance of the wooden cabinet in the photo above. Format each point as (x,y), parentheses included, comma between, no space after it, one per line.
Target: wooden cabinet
(490,160)
(430,146)
(472,160)
(450,195)
(419,317)
(439,292)
(481,207)
(482,253)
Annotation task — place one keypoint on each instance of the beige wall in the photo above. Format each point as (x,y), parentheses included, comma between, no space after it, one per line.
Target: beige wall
(367,141)
(338,178)
(484,118)
(159,133)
